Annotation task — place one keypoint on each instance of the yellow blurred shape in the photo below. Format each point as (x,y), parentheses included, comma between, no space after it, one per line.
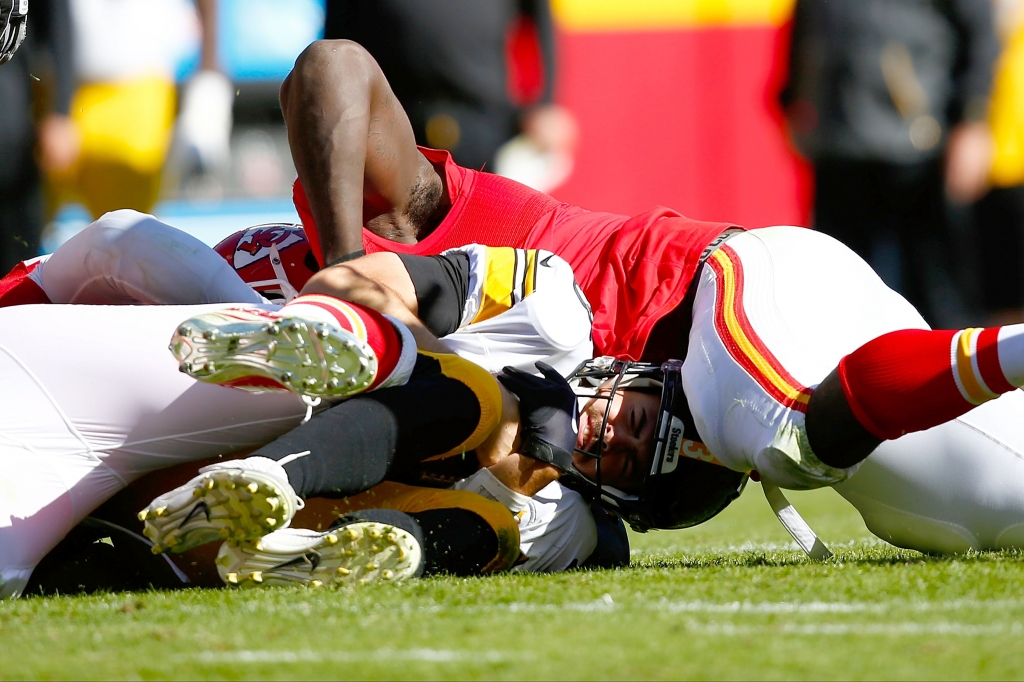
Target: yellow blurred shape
(653,15)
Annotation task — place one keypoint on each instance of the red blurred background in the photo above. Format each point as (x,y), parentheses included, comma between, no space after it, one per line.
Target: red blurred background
(676,106)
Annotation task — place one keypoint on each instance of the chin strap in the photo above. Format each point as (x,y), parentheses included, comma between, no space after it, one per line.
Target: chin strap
(794,523)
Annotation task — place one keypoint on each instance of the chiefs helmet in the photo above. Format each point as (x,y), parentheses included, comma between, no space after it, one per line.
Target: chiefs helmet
(686,485)
(274,259)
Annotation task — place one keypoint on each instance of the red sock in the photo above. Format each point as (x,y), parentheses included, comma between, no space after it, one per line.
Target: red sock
(913,379)
(368,324)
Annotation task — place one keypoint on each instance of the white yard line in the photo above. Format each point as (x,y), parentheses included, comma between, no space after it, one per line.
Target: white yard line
(865,629)
(339,656)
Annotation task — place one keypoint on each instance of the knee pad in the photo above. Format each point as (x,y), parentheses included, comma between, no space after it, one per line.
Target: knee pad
(483,385)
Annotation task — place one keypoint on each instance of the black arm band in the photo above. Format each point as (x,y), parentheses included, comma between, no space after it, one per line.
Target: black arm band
(442,285)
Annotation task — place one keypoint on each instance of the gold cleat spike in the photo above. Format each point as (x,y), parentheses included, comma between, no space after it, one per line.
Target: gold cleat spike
(401,554)
(371,566)
(331,539)
(343,571)
(273,503)
(350,552)
(209,484)
(351,533)
(253,488)
(391,538)
(315,583)
(156,549)
(376,549)
(231,578)
(143,514)
(373,533)
(270,522)
(159,511)
(256,576)
(387,575)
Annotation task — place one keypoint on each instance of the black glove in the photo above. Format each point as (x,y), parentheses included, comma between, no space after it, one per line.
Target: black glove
(13,14)
(548,414)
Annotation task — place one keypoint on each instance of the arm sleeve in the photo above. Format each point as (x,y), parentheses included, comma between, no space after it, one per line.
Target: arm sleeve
(442,285)
(979,49)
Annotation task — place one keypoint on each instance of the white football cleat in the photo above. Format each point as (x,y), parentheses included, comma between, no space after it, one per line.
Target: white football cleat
(234,501)
(357,553)
(261,350)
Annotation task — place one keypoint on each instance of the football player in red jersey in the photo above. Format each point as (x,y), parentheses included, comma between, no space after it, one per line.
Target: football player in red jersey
(802,361)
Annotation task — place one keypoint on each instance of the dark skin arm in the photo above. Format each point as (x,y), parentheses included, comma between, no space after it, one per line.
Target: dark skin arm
(355,152)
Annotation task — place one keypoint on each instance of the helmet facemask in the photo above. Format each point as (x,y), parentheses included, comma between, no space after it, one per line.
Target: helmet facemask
(683,484)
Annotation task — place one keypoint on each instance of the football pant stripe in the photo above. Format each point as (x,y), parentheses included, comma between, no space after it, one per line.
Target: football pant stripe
(740,339)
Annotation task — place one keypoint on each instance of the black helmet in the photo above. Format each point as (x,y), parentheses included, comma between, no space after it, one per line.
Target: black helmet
(686,484)
(13,17)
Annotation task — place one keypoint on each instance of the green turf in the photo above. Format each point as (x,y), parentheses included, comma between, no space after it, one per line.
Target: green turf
(732,599)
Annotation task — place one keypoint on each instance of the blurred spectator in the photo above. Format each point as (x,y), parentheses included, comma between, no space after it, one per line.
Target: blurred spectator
(123,112)
(448,63)
(1000,214)
(47,51)
(888,99)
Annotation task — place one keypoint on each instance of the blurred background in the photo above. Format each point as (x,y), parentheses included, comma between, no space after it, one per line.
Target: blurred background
(683,103)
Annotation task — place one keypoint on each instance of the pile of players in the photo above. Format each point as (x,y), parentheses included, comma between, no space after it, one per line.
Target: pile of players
(427,379)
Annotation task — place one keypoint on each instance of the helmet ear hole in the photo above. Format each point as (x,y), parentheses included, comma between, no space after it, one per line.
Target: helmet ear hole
(274,259)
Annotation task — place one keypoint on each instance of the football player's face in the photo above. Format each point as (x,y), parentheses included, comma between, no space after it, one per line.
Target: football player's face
(628,435)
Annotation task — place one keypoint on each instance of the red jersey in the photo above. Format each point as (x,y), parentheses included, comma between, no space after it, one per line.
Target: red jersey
(633,270)
(16,288)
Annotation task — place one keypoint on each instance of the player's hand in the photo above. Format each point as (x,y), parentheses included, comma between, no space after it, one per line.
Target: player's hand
(548,414)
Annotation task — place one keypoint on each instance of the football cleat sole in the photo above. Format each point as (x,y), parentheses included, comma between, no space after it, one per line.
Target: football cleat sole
(355,554)
(234,505)
(257,350)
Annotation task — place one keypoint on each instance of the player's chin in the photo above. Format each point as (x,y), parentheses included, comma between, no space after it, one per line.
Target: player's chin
(585,465)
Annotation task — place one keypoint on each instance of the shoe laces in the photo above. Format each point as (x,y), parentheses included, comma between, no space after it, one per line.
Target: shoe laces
(310,403)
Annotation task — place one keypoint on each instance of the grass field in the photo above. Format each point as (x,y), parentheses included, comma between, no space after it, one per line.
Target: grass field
(731,599)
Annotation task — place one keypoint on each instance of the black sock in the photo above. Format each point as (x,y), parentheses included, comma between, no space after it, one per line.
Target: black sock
(457,542)
(360,441)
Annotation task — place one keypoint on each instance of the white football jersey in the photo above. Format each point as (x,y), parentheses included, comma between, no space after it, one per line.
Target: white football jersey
(523,306)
